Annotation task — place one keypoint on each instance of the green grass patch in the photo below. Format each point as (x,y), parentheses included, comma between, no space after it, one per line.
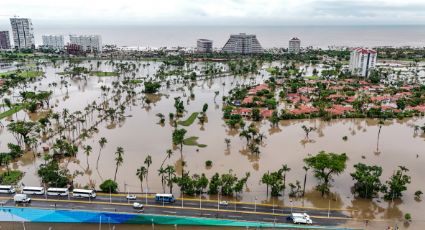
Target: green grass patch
(134,81)
(193,141)
(189,121)
(13,177)
(314,77)
(103,74)
(25,73)
(11,111)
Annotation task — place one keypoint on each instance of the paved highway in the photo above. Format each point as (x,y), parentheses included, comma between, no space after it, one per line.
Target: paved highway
(190,207)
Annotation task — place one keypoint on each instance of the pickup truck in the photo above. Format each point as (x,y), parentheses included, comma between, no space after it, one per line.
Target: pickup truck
(21,198)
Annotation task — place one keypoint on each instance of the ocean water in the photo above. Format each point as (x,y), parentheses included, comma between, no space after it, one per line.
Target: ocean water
(269,36)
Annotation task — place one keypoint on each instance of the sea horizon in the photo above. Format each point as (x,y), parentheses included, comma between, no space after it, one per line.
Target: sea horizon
(270,36)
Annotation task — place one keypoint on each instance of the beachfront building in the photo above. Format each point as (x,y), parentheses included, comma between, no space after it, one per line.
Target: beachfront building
(294,45)
(88,43)
(204,46)
(4,40)
(243,43)
(361,61)
(53,41)
(23,33)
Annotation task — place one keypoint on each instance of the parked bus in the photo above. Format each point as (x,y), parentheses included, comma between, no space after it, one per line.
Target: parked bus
(165,198)
(33,190)
(57,192)
(89,193)
(7,189)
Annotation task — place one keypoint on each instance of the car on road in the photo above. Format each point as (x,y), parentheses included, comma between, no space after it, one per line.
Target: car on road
(137,205)
(131,197)
(300,218)
(223,203)
(21,198)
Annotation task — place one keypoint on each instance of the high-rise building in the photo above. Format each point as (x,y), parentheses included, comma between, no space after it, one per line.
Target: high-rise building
(4,40)
(88,43)
(294,45)
(23,33)
(53,41)
(204,46)
(243,43)
(361,61)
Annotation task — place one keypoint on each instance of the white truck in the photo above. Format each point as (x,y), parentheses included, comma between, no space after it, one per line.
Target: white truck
(300,218)
(21,198)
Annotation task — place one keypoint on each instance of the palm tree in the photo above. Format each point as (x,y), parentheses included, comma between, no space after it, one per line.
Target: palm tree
(305,178)
(227,141)
(162,172)
(118,160)
(245,133)
(178,139)
(169,153)
(171,173)
(141,174)
(284,170)
(148,162)
(87,151)
(102,143)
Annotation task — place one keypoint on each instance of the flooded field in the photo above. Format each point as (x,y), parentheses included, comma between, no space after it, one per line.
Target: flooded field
(140,135)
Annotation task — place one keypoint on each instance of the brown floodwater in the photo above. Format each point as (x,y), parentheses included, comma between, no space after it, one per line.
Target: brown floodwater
(141,135)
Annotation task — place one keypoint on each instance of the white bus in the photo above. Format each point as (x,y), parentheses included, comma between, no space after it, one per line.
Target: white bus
(33,190)
(7,189)
(57,192)
(89,193)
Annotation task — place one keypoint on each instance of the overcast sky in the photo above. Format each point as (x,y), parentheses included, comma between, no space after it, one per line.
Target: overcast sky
(217,12)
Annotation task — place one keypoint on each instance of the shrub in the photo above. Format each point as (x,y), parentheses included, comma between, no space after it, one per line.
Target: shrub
(208,163)
(109,186)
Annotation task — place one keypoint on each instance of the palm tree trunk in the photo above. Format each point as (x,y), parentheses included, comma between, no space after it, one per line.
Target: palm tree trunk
(116,171)
(305,180)
(181,157)
(98,157)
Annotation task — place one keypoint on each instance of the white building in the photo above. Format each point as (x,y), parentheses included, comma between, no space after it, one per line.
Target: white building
(294,45)
(23,33)
(53,41)
(88,43)
(361,61)
(204,46)
(243,43)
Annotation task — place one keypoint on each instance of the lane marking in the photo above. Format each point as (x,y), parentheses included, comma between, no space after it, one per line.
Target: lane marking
(170,212)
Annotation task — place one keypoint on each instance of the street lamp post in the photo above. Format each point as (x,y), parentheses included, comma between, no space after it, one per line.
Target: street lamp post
(255,204)
(329,208)
(290,201)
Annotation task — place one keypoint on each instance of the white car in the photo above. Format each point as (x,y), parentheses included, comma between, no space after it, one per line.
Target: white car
(223,203)
(300,218)
(137,205)
(131,197)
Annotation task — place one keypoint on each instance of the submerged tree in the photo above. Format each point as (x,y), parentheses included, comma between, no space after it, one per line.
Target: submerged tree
(367,180)
(397,184)
(178,139)
(325,166)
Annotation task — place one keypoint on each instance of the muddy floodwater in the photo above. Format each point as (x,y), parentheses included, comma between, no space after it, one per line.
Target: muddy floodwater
(140,134)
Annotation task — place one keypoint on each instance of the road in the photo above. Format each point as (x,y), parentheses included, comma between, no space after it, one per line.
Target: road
(190,207)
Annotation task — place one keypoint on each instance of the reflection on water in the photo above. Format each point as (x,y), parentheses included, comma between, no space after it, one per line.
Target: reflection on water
(140,135)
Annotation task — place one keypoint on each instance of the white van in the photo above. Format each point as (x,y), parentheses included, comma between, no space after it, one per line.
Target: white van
(8,189)
(57,192)
(88,193)
(21,198)
(33,190)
